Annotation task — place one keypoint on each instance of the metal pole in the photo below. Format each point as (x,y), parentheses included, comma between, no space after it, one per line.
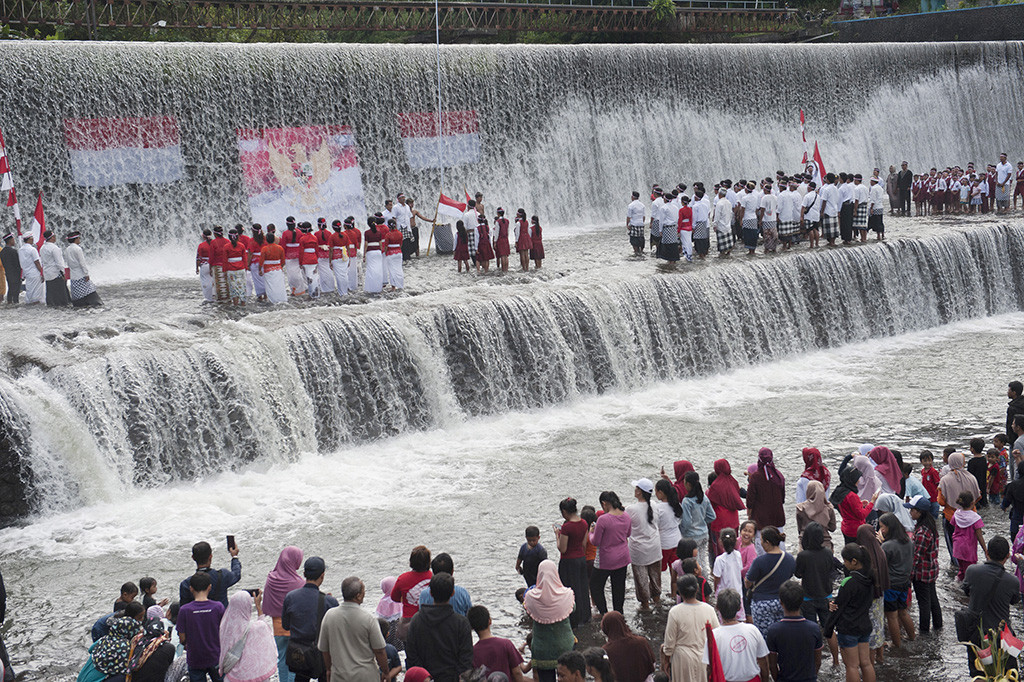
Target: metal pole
(440,143)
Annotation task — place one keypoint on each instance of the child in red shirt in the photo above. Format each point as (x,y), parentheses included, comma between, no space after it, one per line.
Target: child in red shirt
(930,475)
(996,477)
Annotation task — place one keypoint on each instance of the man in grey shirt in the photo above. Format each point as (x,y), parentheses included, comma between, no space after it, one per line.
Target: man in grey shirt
(351,640)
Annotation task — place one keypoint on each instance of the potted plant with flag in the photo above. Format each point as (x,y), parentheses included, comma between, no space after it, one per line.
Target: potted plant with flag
(996,655)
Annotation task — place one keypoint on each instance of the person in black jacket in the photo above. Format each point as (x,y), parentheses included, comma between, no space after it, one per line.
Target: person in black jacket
(977,466)
(851,610)
(992,590)
(440,640)
(1015,392)
(904,181)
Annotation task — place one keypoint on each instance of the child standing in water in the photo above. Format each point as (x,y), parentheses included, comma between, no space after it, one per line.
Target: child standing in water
(967,535)
(461,245)
(728,570)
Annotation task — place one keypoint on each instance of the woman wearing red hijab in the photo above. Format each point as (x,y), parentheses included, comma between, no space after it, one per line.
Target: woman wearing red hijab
(887,470)
(724,495)
(766,494)
(814,470)
(680,469)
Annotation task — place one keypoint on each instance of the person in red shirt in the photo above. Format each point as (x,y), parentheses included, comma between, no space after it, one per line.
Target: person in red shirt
(410,584)
(338,244)
(308,259)
(203,266)
(292,250)
(501,245)
(271,269)
(217,262)
(236,257)
(323,237)
(256,243)
(930,476)
(484,251)
(537,250)
(523,242)
(393,256)
(684,224)
(373,279)
(355,240)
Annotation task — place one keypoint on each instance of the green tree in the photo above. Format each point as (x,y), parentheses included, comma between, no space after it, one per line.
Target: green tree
(663,10)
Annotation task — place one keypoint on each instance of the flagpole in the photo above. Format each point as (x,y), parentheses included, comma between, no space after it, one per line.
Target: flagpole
(440,133)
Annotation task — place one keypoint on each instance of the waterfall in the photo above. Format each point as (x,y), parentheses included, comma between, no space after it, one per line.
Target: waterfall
(266,388)
(565,131)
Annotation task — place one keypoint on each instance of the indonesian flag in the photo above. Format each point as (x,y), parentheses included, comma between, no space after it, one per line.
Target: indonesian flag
(817,166)
(38,223)
(803,136)
(121,151)
(459,139)
(446,206)
(6,182)
(12,202)
(985,656)
(1009,643)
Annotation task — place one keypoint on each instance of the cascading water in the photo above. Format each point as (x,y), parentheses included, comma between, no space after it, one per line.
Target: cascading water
(565,131)
(270,386)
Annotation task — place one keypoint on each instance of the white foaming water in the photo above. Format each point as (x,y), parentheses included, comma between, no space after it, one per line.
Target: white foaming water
(442,467)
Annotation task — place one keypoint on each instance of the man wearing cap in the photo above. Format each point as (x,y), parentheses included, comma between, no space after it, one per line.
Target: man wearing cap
(876,209)
(810,215)
(403,217)
(83,291)
(52,260)
(644,546)
(701,214)
(926,564)
(860,207)
(635,224)
(355,242)
(302,614)
(788,212)
(351,640)
(12,268)
(904,181)
(1004,184)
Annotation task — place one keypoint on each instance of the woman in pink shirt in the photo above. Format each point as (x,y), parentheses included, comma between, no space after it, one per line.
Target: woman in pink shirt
(609,535)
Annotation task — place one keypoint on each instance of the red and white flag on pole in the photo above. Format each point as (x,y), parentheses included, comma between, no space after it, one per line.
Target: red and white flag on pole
(803,136)
(446,206)
(1009,643)
(12,202)
(38,223)
(818,170)
(6,182)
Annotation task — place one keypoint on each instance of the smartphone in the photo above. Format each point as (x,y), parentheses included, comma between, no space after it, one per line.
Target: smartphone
(254,592)
(231,542)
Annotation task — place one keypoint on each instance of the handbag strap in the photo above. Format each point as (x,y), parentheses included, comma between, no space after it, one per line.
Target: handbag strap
(235,652)
(770,573)
(320,611)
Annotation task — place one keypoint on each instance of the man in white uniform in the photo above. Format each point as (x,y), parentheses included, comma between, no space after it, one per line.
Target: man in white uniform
(32,271)
(403,216)
(1004,184)
(657,213)
(830,209)
(747,214)
(701,207)
(766,218)
(810,214)
(52,259)
(723,224)
(83,291)
(860,207)
(876,208)
(635,224)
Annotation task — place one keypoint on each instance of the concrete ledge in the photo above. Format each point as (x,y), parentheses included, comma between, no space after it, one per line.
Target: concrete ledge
(999,22)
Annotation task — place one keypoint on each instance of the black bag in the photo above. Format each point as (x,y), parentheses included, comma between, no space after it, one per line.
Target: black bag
(304,658)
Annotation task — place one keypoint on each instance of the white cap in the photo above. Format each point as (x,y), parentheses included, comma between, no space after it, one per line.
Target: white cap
(644,484)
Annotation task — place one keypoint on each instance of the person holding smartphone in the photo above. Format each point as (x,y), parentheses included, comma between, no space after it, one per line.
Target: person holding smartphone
(221,578)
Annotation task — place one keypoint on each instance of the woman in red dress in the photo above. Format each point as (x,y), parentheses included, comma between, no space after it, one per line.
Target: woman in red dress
(537,250)
(501,247)
(484,252)
(461,245)
(523,242)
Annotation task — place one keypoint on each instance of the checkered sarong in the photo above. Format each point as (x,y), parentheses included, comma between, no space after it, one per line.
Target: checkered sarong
(701,231)
(655,228)
(860,217)
(830,226)
(636,231)
(80,288)
(789,228)
(726,240)
(1003,192)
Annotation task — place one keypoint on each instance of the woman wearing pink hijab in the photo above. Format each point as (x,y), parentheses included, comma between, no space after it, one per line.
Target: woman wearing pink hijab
(391,611)
(282,580)
(887,469)
(549,603)
(258,660)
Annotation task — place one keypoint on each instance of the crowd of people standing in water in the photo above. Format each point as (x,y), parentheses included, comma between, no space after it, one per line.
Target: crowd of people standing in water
(744,601)
(780,213)
(301,261)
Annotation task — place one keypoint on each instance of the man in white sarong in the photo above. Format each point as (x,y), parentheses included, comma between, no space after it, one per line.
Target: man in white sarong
(339,258)
(272,270)
(324,271)
(32,271)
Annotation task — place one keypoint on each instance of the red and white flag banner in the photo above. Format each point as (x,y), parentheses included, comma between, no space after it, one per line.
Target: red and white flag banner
(38,225)
(308,172)
(6,181)
(816,167)
(803,136)
(12,203)
(446,206)
(459,138)
(121,151)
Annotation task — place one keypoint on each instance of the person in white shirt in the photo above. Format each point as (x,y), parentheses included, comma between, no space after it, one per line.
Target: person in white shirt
(741,646)
(52,259)
(723,225)
(635,213)
(403,216)
(860,207)
(669,245)
(788,212)
(31,270)
(830,209)
(767,218)
(1004,184)
(846,207)
(470,220)
(810,214)
(801,188)
(83,291)
(701,208)
(747,213)
(657,211)
(876,207)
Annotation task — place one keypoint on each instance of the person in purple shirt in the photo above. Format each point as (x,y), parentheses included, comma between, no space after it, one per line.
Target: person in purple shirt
(199,630)
(609,535)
